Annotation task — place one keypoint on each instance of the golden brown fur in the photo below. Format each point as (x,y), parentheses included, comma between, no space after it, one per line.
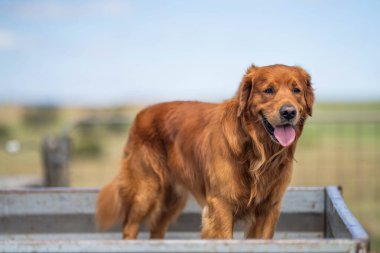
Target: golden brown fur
(220,153)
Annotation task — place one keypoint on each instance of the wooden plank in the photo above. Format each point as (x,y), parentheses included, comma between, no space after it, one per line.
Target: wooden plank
(144,236)
(115,246)
(68,200)
(340,222)
(84,223)
(65,210)
(47,201)
(304,200)
(59,208)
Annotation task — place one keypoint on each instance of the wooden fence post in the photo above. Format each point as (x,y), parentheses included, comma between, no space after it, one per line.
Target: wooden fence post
(55,155)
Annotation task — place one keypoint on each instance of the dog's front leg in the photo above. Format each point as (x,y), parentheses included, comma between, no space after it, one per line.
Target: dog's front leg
(217,220)
(267,213)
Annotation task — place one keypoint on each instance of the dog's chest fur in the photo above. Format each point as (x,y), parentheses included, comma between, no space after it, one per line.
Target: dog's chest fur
(259,190)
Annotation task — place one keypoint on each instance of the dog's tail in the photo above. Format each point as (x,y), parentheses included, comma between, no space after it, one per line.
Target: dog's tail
(109,206)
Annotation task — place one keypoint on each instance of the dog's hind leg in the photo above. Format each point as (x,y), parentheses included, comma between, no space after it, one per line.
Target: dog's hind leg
(140,191)
(141,207)
(132,225)
(167,211)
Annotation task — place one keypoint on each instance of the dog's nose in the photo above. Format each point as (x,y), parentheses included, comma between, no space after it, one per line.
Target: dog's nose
(288,112)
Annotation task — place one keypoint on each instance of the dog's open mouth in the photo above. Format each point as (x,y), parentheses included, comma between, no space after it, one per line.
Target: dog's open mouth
(283,134)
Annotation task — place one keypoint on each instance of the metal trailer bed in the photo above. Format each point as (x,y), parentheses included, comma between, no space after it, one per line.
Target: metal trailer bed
(313,219)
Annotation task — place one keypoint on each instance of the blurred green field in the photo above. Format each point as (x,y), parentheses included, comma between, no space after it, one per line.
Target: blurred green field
(340,146)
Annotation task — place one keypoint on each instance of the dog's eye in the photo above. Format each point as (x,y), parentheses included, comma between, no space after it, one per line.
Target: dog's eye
(296,90)
(269,91)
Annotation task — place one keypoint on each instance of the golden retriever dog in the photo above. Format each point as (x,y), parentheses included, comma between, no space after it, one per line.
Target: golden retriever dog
(235,158)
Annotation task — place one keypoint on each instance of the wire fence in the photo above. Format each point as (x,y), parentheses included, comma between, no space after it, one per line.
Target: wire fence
(340,151)
(345,151)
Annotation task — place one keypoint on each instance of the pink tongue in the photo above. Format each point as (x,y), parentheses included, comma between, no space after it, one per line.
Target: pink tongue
(285,135)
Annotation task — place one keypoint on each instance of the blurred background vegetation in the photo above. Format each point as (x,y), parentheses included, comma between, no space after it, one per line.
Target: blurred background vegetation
(340,146)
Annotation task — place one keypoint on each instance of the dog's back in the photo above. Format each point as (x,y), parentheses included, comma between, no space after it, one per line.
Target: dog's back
(161,163)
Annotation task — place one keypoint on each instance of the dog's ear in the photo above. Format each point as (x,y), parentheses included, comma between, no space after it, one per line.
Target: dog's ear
(309,93)
(309,97)
(245,89)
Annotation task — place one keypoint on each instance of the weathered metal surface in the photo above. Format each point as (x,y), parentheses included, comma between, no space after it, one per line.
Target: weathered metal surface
(340,222)
(61,220)
(72,211)
(113,246)
(70,200)
(171,235)
(47,201)
(84,223)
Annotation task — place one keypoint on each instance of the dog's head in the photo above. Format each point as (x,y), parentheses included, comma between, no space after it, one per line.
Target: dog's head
(280,97)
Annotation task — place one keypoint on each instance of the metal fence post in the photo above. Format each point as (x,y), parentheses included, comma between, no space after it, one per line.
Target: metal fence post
(55,156)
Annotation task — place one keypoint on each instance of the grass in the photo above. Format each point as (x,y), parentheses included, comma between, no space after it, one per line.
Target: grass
(343,154)
(362,106)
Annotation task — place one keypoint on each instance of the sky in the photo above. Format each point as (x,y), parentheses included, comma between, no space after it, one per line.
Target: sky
(104,53)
